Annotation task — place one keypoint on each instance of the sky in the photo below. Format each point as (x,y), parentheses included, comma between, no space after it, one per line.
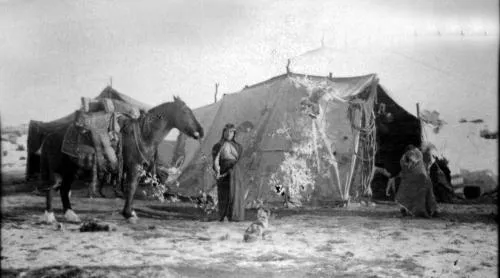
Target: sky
(54,52)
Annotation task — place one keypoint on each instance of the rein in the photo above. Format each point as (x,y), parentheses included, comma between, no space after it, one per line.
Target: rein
(136,139)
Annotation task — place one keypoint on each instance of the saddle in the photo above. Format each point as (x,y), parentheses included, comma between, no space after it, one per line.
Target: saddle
(96,131)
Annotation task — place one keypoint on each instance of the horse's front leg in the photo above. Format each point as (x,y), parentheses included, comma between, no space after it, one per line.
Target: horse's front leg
(130,188)
(95,179)
(118,186)
(64,191)
(105,179)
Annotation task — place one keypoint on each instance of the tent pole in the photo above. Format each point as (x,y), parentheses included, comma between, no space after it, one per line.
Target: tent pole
(216,92)
(418,111)
(420,124)
(333,159)
(353,162)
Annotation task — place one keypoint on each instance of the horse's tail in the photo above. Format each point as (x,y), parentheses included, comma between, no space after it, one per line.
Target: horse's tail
(44,166)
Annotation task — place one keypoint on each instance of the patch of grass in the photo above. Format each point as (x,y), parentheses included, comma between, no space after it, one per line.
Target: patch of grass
(473,268)
(336,241)
(273,257)
(486,264)
(448,251)
(409,265)
(456,242)
(90,246)
(147,235)
(48,248)
(371,225)
(324,248)
(347,255)
(303,240)
(395,234)
(60,271)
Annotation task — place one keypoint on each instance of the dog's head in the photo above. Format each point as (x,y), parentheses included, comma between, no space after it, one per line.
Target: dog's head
(263,214)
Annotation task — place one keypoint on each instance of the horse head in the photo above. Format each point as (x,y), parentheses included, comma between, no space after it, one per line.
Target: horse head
(185,121)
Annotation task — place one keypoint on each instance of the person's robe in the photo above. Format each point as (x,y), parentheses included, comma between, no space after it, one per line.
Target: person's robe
(231,203)
(415,193)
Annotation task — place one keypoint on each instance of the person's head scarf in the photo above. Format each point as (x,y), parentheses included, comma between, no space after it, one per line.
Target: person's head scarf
(227,128)
(411,158)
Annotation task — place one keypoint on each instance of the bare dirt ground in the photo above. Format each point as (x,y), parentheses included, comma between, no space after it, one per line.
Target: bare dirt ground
(171,241)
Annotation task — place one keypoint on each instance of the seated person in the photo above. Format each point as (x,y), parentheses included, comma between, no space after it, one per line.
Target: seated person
(415,194)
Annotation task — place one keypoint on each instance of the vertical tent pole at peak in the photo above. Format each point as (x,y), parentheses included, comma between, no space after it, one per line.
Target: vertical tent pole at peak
(216,92)
(418,111)
(420,126)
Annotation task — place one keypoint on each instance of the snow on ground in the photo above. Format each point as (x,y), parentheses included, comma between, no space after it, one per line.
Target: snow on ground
(355,241)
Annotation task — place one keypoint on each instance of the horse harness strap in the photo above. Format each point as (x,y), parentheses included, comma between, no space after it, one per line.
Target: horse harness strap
(136,139)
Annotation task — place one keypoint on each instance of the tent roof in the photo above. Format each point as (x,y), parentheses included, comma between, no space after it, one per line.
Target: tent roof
(111,93)
(206,115)
(107,92)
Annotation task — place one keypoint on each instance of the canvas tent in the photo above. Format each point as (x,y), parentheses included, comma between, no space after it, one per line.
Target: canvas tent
(38,130)
(455,76)
(326,159)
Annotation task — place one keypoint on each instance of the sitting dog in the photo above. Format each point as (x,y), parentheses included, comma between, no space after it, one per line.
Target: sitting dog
(260,228)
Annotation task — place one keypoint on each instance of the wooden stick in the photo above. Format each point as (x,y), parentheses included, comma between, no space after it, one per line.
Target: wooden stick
(216,92)
(418,111)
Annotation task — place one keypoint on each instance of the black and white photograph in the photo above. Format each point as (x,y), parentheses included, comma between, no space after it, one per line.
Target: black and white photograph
(265,138)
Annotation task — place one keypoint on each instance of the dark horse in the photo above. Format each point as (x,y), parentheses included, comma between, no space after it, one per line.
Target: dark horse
(141,138)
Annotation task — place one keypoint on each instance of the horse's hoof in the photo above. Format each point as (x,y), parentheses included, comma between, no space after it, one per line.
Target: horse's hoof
(71,216)
(49,218)
(133,220)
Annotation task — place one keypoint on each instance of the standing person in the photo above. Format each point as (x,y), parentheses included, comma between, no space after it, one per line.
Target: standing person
(226,154)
